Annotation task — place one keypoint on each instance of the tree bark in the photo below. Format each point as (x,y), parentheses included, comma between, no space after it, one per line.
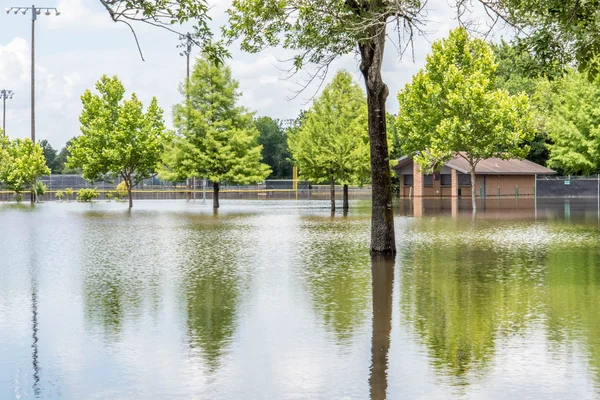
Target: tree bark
(215,195)
(473,189)
(129,193)
(383,240)
(346,205)
(332,193)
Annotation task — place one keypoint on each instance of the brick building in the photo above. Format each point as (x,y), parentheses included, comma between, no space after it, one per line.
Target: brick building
(493,177)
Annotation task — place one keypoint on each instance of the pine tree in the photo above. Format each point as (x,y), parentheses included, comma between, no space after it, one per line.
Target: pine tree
(217,139)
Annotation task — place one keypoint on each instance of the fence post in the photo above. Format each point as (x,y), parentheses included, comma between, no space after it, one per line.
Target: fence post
(517,190)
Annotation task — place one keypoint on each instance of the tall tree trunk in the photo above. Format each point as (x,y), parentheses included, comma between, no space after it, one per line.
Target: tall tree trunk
(382,272)
(346,206)
(382,219)
(215,195)
(332,192)
(473,189)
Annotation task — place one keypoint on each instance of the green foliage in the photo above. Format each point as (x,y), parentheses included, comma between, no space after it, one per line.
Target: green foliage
(61,160)
(59,195)
(69,193)
(558,32)
(318,30)
(333,142)
(21,163)
(452,106)
(519,72)
(50,155)
(121,190)
(87,194)
(40,188)
(572,108)
(275,152)
(118,137)
(167,13)
(217,139)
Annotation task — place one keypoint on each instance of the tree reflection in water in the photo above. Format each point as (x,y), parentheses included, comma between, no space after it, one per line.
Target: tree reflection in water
(465,288)
(382,272)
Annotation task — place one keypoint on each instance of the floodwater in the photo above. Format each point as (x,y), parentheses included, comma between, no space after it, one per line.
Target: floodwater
(281,300)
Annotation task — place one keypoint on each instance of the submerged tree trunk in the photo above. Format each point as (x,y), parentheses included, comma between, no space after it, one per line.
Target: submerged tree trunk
(332,193)
(215,195)
(383,240)
(346,206)
(129,193)
(473,189)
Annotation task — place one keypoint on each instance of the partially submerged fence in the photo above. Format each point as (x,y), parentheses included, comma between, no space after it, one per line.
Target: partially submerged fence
(568,186)
(196,189)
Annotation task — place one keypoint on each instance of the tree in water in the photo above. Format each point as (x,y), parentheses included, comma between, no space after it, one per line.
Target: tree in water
(118,137)
(453,108)
(319,31)
(22,162)
(332,144)
(216,139)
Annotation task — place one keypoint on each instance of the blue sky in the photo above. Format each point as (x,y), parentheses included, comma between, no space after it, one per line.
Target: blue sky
(74,49)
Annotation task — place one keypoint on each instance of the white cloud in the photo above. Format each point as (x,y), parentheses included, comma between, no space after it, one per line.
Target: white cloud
(80,45)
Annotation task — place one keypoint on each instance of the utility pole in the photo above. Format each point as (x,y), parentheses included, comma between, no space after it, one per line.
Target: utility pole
(35,11)
(5,94)
(186,44)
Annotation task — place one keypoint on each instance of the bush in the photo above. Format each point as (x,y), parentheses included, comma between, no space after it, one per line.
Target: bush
(59,195)
(108,196)
(69,193)
(40,188)
(87,195)
(121,190)
(18,197)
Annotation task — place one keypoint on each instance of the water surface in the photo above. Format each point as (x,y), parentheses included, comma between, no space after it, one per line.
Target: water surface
(271,299)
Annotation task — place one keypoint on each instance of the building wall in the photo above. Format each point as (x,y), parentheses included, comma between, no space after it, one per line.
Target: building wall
(506,183)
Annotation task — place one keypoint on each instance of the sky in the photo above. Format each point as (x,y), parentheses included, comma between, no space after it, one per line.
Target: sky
(75,49)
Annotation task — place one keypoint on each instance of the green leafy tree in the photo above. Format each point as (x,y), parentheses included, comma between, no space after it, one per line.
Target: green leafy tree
(21,164)
(118,137)
(451,107)
(50,154)
(61,160)
(572,107)
(520,72)
(275,152)
(217,138)
(333,143)
(319,31)
(557,32)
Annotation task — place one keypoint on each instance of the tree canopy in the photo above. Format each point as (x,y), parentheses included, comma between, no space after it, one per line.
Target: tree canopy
(275,153)
(572,119)
(333,144)
(557,32)
(217,139)
(21,163)
(452,107)
(118,137)
(319,31)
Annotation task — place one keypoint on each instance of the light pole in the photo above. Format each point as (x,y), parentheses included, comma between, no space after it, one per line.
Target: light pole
(186,44)
(4,95)
(35,11)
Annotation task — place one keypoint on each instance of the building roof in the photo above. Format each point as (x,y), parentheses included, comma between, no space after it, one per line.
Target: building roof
(491,166)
